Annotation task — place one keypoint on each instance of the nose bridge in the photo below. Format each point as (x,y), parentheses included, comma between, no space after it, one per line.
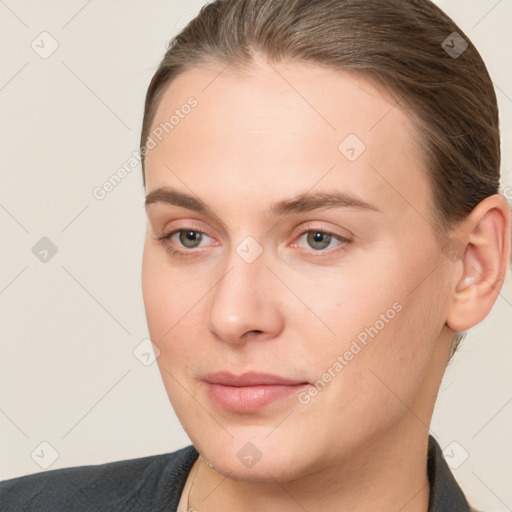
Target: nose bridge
(244,299)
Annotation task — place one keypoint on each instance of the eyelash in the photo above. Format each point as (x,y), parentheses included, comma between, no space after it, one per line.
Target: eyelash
(307,229)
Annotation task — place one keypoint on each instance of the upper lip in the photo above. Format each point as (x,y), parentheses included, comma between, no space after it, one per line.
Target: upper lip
(250,379)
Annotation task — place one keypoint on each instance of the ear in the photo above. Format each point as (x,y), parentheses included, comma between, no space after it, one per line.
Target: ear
(480,252)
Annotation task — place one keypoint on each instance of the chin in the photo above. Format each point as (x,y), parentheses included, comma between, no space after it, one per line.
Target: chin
(267,471)
(261,460)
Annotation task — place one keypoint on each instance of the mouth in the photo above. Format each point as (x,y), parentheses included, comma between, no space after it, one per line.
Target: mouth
(250,391)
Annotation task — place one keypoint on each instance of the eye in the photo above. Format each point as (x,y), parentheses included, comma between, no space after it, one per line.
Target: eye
(319,239)
(184,241)
(187,238)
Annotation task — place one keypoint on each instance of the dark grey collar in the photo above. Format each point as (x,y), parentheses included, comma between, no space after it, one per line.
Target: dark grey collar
(445,493)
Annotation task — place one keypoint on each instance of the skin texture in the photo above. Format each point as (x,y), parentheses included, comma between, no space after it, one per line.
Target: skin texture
(272,134)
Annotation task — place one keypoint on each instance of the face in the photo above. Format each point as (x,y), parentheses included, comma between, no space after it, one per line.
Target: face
(303,252)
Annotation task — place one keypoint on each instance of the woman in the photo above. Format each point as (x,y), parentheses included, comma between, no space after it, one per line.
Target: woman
(324,221)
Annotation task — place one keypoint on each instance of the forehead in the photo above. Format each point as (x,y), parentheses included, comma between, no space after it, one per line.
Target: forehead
(274,93)
(280,126)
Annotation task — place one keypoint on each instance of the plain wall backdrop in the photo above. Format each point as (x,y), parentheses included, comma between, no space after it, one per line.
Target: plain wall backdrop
(73,77)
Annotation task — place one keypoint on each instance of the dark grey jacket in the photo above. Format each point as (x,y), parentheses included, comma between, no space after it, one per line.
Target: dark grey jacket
(155,484)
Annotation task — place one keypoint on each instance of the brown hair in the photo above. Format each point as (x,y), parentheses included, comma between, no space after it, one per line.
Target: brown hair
(408,46)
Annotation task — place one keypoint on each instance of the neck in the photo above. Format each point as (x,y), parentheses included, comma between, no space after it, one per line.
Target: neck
(389,474)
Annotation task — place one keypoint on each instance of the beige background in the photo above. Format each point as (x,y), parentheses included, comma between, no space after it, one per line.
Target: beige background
(68,375)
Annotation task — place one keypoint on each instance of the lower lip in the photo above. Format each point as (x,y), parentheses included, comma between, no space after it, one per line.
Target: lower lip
(250,398)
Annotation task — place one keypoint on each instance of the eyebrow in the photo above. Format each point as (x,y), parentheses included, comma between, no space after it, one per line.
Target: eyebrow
(305,202)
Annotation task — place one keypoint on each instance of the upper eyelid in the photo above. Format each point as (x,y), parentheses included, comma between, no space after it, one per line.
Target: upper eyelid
(303,230)
(309,227)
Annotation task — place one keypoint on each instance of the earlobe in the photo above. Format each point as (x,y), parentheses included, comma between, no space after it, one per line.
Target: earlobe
(484,263)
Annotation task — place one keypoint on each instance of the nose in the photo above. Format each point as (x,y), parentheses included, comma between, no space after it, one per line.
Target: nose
(245,302)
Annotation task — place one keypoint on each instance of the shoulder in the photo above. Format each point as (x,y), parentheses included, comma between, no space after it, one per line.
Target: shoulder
(147,483)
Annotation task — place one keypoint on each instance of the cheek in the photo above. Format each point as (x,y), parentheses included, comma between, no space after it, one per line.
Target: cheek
(385,329)
(164,295)
(171,318)
(161,302)
(173,301)
(154,293)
